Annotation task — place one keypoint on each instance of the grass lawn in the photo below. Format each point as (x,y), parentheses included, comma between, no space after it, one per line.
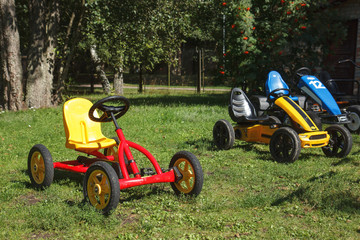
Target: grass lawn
(245,195)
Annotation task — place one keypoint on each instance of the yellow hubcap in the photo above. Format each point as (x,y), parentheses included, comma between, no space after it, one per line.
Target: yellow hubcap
(112,151)
(99,189)
(37,167)
(186,184)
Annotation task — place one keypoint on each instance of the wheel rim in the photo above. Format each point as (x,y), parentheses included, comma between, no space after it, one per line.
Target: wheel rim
(336,142)
(187,183)
(355,122)
(221,135)
(37,167)
(283,147)
(112,151)
(99,189)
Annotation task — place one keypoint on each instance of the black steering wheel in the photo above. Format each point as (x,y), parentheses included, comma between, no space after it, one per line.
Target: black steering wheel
(119,106)
(304,71)
(280,94)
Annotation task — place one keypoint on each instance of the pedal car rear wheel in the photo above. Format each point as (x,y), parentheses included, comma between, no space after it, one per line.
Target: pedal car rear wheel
(40,167)
(223,134)
(273,120)
(340,142)
(192,175)
(354,126)
(285,145)
(101,187)
(112,151)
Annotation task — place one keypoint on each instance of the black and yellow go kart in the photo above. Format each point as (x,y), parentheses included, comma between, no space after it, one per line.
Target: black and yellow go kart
(284,141)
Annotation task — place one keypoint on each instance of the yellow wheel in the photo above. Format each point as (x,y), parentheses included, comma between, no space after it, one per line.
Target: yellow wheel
(40,167)
(191,180)
(112,151)
(101,187)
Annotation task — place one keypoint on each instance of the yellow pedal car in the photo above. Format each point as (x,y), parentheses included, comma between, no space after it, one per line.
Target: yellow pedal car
(285,141)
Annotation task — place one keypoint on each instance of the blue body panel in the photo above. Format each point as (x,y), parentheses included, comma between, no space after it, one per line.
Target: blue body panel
(317,91)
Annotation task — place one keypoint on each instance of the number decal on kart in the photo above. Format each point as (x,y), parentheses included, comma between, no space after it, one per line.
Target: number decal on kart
(317,84)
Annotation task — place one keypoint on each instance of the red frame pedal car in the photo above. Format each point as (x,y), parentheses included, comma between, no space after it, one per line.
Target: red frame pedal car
(116,169)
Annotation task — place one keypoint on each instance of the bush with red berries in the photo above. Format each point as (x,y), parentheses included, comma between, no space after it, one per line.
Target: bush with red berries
(283,35)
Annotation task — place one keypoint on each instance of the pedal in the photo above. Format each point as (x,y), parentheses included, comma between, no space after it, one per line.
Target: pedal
(82,159)
(147,171)
(178,175)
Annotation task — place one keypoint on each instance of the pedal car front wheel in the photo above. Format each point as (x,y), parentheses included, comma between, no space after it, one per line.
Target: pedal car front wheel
(223,134)
(285,145)
(101,187)
(192,175)
(40,167)
(340,142)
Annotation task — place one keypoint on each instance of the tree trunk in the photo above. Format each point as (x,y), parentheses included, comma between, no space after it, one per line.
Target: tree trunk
(44,20)
(69,51)
(141,80)
(119,81)
(11,89)
(99,68)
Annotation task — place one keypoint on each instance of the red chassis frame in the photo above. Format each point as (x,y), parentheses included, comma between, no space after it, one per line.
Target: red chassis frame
(126,181)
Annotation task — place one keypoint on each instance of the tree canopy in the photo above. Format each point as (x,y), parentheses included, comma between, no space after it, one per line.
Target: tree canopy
(251,37)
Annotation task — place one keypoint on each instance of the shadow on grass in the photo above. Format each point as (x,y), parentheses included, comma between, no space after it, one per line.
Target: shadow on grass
(341,200)
(304,156)
(67,176)
(245,146)
(135,194)
(60,176)
(185,99)
(346,161)
(210,99)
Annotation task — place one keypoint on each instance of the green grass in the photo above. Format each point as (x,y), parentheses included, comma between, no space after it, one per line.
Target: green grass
(245,195)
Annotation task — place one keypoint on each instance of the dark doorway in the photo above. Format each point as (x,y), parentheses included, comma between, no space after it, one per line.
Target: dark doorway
(345,50)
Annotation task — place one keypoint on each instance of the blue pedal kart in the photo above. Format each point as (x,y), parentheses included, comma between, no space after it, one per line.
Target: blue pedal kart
(320,100)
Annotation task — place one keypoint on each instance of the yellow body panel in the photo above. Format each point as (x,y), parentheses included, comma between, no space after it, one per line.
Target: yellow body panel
(314,139)
(262,134)
(255,133)
(296,113)
(81,132)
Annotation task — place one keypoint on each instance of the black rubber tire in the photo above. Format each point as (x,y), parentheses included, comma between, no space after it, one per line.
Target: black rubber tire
(354,126)
(272,120)
(40,167)
(315,118)
(340,142)
(193,176)
(223,134)
(104,176)
(285,145)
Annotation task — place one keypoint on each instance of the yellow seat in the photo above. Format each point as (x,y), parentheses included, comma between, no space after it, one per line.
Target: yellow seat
(83,134)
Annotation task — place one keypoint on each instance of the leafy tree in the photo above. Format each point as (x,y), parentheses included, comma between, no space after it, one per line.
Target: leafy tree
(282,35)
(142,33)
